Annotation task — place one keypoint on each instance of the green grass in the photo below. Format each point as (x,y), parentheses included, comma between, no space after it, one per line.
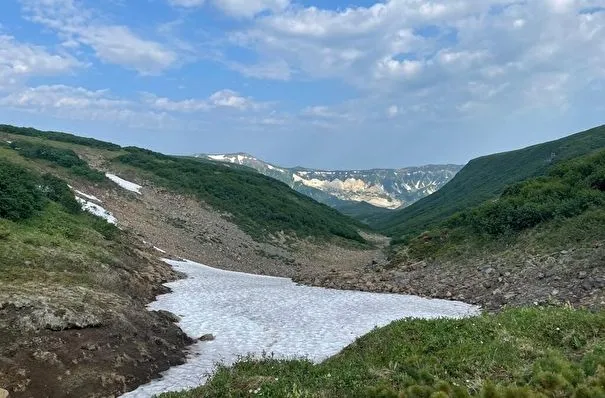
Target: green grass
(486,178)
(260,205)
(55,247)
(538,352)
(44,234)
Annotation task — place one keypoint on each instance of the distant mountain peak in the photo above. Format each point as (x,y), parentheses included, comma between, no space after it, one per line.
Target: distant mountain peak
(381,188)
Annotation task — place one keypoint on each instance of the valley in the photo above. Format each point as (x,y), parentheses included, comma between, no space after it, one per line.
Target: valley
(361,194)
(72,278)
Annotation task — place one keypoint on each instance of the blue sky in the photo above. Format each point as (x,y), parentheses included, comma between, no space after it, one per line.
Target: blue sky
(330,84)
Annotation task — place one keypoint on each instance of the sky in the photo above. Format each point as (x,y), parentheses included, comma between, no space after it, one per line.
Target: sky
(332,84)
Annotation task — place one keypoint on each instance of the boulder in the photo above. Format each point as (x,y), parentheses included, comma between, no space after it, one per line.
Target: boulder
(207,337)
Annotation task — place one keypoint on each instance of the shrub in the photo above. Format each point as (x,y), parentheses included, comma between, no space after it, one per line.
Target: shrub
(62,157)
(20,195)
(61,137)
(58,191)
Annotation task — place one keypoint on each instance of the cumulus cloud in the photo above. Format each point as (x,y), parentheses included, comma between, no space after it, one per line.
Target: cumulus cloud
(19,61)
(238,8)
(115,44)
(409,46)
(78,103)
(220,99)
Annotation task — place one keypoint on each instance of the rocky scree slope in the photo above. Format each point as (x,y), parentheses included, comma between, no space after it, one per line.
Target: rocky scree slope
(540,242)
(215,214)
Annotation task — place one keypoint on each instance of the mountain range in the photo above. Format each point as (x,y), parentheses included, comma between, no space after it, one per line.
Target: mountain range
(353,192)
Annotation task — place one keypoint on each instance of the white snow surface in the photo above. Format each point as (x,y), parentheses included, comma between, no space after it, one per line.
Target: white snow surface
(217,157)
(252,314)
(97,210)
(130,186)
(160,250)
(87,196)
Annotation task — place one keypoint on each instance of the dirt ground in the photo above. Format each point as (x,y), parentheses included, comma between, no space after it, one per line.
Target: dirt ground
(75,341)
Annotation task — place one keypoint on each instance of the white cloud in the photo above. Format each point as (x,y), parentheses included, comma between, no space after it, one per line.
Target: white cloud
(114,44)
(438,55)
(77,103)
(275,70)
(237,8)
(19,61)
(392,111)
(220,99)
(250,8)
(324,112)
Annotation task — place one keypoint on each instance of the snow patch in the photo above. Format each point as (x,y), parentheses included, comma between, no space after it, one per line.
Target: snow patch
(252,314)
(275,168)
(160,250)
(87,196)
(97,210)
(129,186)
(217,157)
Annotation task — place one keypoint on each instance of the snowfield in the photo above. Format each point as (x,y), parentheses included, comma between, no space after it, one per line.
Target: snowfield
(252,314)
(130,186)
(87,196)
(97,210)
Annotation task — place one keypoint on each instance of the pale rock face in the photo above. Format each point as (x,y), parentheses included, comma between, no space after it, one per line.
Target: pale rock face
(384,188)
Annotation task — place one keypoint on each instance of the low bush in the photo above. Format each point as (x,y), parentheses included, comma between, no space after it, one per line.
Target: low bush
(61,157)
(58,136)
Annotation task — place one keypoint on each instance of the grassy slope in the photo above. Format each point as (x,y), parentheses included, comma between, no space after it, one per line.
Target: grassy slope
(63,244)
(526,352)
(260,205)
(562,209)
(485,178)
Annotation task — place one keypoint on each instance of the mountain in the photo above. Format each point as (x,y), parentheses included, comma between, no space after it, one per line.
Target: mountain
(350,191)
(485,178)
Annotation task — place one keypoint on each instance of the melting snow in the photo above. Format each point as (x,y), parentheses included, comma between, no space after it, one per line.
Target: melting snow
(275,168)
(252,314)
(130,186)
(97,210)
(87,196)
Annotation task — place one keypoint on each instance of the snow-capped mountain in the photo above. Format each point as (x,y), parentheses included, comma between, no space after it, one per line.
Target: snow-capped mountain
(381,188)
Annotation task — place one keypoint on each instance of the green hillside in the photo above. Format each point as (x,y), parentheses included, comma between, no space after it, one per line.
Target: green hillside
(485,178)
(260,205)
(565,207)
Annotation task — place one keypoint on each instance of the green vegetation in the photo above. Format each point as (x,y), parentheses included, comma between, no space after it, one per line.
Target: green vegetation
(260,205)
(570,189)
(486,178)
(553,352)
(57,136)
(565,207)
(66,158)
(42,224)
(24,194)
